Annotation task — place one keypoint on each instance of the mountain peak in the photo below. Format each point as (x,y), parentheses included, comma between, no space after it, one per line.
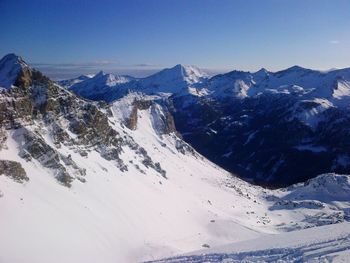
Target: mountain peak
(13,60)
(296,67)
(182,72)
(99,85)
(172,80)
(99,74)
(261,74)
(188,70)
(12,57)
(109,79)
(262,70)
(179,66)
(10,66)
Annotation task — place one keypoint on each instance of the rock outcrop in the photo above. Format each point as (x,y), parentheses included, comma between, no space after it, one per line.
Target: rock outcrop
(14,170)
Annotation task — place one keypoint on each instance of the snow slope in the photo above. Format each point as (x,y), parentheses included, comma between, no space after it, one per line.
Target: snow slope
(321,244)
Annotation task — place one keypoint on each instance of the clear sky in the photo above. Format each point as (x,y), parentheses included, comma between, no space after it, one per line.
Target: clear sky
(141,35)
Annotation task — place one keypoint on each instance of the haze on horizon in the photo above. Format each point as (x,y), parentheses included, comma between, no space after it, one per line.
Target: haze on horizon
(67,38)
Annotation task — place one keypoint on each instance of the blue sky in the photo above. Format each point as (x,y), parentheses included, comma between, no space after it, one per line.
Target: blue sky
(143,35)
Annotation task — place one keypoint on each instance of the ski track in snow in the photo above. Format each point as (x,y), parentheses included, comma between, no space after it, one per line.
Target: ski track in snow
(297,246)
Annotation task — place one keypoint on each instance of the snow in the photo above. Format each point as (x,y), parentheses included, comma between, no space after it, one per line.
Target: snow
(341,94)
(326,188)
(343,89)
(312,148)
(343,160)
(250,137)
(311,115)
(319,244)
(157,117)
(228,154)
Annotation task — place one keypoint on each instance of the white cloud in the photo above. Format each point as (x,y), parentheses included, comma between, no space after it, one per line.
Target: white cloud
(334,42)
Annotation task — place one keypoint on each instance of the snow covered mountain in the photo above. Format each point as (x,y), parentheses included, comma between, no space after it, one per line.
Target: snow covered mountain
(173,80)
(108,87)
(85,181)
(102,86)
(70,82)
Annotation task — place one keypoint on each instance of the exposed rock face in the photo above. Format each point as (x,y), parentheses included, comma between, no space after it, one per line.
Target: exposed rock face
(3,138)
(162,119)
(143,104)
(14,170)
(148,162)
(170,124)
(131,122)
(33,146)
